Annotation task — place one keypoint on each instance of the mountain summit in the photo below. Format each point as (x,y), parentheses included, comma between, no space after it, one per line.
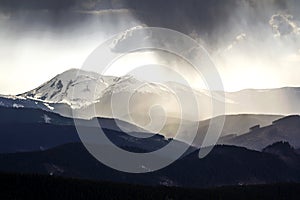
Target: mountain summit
(61,88)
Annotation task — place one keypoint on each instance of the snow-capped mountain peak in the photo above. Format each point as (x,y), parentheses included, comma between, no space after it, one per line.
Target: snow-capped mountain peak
(74,87)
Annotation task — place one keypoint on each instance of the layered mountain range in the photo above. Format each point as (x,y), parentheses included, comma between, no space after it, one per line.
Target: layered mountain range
(88,96)
(39,133)
(259,142)
(79,89)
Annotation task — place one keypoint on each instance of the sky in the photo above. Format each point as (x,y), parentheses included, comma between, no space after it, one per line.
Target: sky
(249,51)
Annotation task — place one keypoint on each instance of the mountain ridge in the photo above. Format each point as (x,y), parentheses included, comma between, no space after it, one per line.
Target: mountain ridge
(225,165)
(284,129)
(81,94)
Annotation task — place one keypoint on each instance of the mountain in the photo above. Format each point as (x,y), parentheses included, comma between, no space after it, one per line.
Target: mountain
(47,129)
(15,121)
(86,95)
(25,115)
(284,129)
(73,87)
(285,152)
(280,149)
(225,165)
(234,125)
(262,101)
(21,102)
(10,116)
(241,123)
(25,129)
(80,90)
(81,94)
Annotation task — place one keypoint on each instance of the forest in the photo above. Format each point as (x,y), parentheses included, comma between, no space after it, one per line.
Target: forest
(26,186)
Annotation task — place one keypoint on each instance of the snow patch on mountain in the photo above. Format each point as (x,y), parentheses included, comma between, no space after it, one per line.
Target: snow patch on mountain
(20,102)
(15,105)
(48,106)
(128,84)
(47,119)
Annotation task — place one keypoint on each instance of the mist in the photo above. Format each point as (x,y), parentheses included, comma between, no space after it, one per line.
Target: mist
(259,48)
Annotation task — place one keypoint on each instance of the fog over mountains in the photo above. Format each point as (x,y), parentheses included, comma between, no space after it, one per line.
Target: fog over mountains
(54,91)
(79,89)
(86,95)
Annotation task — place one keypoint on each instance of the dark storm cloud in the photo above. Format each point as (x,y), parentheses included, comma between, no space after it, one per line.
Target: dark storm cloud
(61,4)
(37,4)
(210,18)
(214,20)
(207,17)
(181,15)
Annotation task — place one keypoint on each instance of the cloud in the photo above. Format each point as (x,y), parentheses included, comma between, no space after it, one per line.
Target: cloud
(127,39)
(4,16)
(283,24)
(238,34)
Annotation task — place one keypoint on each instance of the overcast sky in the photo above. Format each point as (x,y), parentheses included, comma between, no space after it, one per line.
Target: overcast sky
(249,51)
